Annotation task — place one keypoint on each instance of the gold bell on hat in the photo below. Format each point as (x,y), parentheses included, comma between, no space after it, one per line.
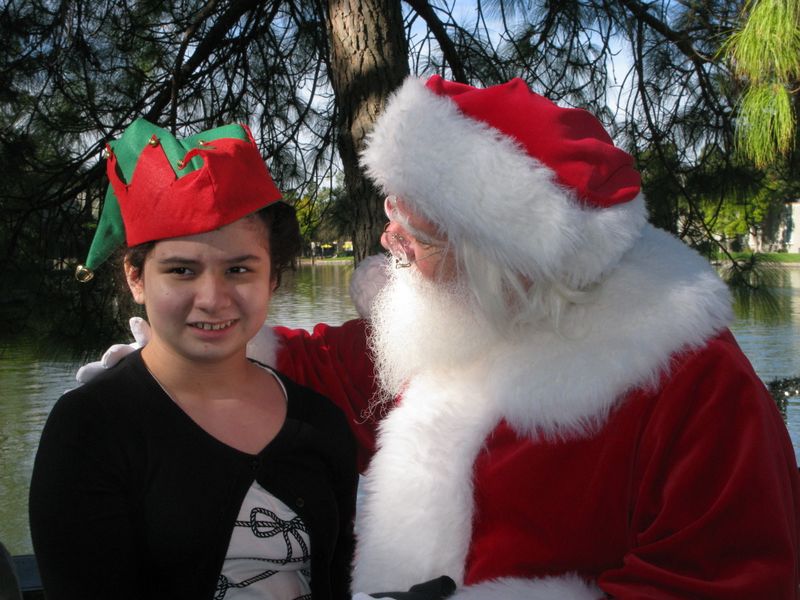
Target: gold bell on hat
(83,273)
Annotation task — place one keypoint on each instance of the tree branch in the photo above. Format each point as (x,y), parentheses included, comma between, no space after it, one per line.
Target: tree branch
(424,10)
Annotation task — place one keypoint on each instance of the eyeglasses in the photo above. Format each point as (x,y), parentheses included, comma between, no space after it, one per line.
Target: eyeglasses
(402,248)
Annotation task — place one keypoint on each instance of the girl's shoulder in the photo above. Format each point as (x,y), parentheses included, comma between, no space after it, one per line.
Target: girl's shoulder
(117,390)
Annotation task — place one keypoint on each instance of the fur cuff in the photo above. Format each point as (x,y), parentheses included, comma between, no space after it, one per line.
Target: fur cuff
(368,279)
(264,346)
(564,587)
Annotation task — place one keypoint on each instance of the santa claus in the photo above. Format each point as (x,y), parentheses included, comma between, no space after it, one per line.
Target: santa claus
(562,410)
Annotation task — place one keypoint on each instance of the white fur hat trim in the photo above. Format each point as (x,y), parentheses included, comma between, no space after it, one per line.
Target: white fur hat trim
(481,187)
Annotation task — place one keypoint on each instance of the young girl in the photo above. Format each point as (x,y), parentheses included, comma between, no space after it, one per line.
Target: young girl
(189,471)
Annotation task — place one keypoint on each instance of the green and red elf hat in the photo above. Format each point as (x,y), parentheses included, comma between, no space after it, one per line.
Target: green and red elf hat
(163,187)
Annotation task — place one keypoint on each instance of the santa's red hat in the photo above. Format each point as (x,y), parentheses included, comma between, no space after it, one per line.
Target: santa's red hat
(537,187)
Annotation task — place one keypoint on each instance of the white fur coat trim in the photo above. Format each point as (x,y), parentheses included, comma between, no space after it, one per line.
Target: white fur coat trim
(491,192)
(663,298)
(415,519)
(264,346)
(568,587)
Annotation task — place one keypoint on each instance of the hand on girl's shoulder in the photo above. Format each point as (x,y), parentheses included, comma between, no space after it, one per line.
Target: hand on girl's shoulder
(141,335)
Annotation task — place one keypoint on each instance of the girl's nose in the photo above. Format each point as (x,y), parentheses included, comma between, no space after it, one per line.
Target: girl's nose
(212,292)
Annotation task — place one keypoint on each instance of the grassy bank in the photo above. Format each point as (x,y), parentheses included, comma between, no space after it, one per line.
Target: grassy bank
(778,257)
(336,260)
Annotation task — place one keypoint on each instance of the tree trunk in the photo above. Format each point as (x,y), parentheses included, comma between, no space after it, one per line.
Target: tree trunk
(368,60)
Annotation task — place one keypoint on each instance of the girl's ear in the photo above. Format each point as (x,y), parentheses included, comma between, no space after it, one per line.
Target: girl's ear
(135,280)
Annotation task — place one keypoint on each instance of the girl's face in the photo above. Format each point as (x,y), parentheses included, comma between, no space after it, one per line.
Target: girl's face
(206,295)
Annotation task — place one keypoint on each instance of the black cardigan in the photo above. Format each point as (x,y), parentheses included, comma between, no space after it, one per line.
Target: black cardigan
(130,499)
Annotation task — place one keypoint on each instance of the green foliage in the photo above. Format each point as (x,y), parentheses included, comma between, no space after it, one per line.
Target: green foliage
(770,257)
(324,215)
(765,54)
(767,46)
(735,200)
(662,192)
(766,123)
(310,210)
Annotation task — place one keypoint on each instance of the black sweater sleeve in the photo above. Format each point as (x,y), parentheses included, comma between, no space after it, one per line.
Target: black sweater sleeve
(80,512)
(345,489)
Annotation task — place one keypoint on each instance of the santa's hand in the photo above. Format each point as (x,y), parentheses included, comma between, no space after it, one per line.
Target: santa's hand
(435,589)
(367,280)
(141,335)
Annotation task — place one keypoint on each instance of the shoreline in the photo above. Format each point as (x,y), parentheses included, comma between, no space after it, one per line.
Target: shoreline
(307,262)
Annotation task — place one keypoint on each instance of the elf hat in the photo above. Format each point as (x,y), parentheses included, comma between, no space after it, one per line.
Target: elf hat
(533,186)
(162,187)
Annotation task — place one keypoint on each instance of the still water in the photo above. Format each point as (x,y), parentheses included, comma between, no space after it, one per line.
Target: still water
(30,385)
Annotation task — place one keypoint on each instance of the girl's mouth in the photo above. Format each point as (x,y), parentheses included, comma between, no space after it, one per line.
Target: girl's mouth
(212,326)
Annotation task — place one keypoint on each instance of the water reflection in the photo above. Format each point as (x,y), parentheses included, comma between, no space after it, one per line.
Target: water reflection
(771,338)
(313,294)
(28,388)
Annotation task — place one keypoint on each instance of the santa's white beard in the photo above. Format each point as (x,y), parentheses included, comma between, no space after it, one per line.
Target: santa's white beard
(419,325)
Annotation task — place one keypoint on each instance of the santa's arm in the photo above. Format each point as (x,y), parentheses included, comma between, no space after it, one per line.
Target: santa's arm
(717,497)
(335,361)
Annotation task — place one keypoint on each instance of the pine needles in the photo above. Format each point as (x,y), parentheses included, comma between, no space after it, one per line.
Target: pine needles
(765,53)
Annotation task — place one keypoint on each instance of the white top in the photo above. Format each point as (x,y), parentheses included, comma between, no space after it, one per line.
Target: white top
(269,555)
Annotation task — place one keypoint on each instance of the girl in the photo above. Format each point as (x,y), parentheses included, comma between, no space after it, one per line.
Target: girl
(189,471)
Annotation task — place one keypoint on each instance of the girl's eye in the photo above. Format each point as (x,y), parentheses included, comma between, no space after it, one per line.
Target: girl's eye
(179,270)
(237,270)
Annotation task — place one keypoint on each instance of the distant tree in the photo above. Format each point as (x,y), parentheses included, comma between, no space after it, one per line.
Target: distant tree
(318,215)
(662,193)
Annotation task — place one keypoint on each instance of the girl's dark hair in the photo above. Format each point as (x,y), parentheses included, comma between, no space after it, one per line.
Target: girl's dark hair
(283,236)
(285,242)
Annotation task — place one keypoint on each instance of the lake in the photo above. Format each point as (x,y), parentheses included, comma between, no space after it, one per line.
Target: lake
(29,384)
